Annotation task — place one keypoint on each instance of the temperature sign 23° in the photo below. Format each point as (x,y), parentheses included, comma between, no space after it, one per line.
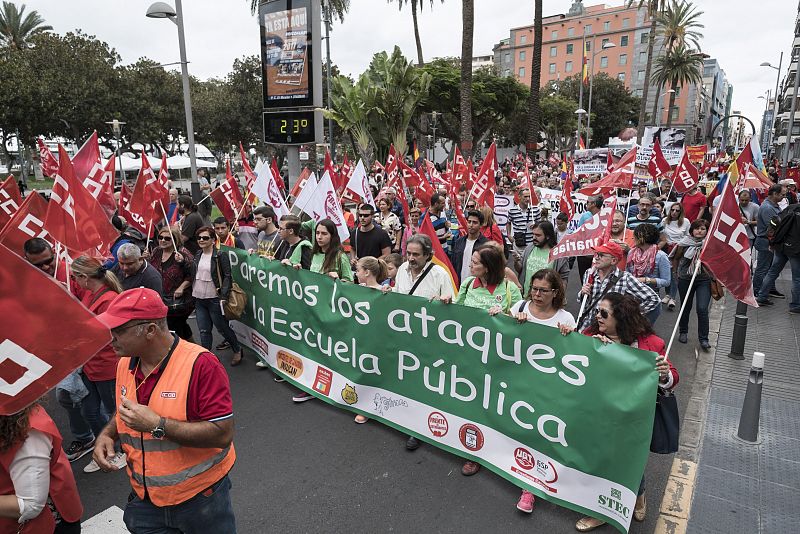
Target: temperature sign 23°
(289,127)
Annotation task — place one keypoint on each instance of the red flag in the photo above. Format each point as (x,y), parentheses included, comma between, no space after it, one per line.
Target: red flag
(391,162)
(658,163)
(439,256)
(726,252)
(276,173)
(145,193)
(301,182)
(462,220)
(609,161)
(621,177)
(27,222)
(483,189)
(227,196)
(38,351)
(685,176)
(423,190)
(697,153)
(593,232)
(46,159)
(345,172)
(10,200)
(750,176)
(132,218)
(87,157)
(100,183)
(565,202)
(581,144)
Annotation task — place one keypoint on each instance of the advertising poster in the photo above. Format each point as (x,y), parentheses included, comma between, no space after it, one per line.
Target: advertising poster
(285,47)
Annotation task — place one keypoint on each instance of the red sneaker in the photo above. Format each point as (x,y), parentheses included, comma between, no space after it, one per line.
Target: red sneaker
(525,503)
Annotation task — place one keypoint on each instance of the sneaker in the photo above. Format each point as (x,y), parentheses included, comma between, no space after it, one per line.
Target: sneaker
(91,467)
(794,310)
(470,468)
(683,338)
(261,365)
(302,397)
(705,345)
(278,379)
(79,449)
(776,294)
(224,345)
(671,305)
(412,444)
(764,302)
(665,300)
(120,461)
(525,503)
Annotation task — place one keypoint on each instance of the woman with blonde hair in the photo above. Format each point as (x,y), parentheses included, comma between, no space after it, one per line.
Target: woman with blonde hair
(99,374)
(489,228)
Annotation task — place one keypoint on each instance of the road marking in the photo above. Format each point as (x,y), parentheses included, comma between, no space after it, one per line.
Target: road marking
(108,521)
(677,501)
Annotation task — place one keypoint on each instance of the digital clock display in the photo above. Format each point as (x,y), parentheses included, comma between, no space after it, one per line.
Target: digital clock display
(289,127)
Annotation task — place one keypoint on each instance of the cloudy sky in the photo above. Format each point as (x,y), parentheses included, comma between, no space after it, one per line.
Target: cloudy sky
(739,33)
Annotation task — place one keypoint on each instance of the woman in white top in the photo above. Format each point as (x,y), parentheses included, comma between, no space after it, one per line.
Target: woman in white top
(545,305)
(370,271)
(676,227)
(390,223)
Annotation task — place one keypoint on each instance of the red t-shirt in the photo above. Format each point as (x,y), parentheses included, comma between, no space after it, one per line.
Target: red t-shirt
(693,205)
(103,365)
(209,397)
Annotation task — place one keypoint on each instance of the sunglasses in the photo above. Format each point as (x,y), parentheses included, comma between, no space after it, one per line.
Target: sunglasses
(602,313)
(164,238)
(44,262)
(204,238)
(365,215)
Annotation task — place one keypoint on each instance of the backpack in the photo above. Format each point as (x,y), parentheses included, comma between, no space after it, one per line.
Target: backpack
(784,231)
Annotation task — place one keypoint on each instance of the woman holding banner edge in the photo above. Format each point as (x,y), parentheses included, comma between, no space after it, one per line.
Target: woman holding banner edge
(618,319)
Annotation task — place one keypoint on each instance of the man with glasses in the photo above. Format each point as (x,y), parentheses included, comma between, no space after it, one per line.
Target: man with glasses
(134,271)
(174,421)
(39,253)
(605,277)
(368,239)
(268,238)
(293,247)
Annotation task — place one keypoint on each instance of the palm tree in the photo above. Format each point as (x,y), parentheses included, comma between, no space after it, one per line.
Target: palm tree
(534,108)
(17,28)
(414,4)
(339,8)
(678,67)
(654,7)
(467,29)
(678,24)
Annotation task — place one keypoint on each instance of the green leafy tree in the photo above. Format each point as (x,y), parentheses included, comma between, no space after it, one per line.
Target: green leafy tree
(353,109)
(339,8)
(613,105)
(678,67)
(17,28)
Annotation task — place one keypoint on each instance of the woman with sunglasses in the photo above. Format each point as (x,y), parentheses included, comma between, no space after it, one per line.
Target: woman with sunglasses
(210,288)
(545,306)
(175,267)
(676,227)
(618,319)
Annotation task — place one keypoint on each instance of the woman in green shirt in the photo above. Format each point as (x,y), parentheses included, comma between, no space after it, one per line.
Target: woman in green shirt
(486,288)
(327,255)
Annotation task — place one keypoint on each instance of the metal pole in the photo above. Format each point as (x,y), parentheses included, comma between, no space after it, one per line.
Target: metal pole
(580,89)
(187,101)
(751,408)
(775,102)
(791,119)
(739,332)
(327,9)
(589,112)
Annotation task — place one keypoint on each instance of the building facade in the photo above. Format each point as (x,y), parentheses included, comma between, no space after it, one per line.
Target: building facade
(786,94)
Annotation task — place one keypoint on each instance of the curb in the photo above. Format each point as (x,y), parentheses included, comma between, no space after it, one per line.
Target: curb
(676,506)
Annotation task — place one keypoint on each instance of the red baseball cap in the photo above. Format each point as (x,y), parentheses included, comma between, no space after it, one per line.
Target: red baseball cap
(137,303)
(610,248)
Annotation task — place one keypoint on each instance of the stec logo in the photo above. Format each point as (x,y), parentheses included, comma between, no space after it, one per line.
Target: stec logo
(524,458)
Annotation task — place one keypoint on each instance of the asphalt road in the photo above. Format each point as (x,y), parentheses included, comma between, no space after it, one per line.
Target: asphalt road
(310,468)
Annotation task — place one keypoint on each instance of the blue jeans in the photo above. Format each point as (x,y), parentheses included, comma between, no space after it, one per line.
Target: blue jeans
(653,314)
(208,312)
(208,512)
(778,263)
(701,291)
(80,429)
(763,263)
(98,406)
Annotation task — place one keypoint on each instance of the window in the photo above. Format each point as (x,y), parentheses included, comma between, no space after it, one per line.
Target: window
(588,46)
(570,48)
(507,57)
(621,76)
(645,36)
(674,113)
(626,23)
(554,34)
(521,72)
(523,39)
(604,42)
(642,57)
(507,72)
(568,66)
(623,41)
(522,55)
(640,76)
(570,32)
(623,59)
(553,51)
(606,26)
(603,62)
(639,92)
(552,68)
(587,29)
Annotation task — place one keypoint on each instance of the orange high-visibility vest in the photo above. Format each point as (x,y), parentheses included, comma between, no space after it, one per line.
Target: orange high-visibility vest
(169,473)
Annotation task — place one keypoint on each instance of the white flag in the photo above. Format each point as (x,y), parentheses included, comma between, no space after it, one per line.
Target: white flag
(266,189)
(323,204)
(359,184)
(306,193)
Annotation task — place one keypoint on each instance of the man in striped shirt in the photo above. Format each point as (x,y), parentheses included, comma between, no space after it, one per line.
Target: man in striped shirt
(520,219)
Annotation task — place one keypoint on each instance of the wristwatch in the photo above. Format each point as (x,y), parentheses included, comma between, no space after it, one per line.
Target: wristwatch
(158,432)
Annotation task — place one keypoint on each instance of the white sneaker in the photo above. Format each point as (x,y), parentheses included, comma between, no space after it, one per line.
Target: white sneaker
(119,461)
(665,299)
(91,467)
(261,364)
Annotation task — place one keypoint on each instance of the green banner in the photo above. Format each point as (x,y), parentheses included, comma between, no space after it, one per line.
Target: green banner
(565,417)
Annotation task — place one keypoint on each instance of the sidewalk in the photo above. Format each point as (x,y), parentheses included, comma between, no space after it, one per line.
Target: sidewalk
(741,487)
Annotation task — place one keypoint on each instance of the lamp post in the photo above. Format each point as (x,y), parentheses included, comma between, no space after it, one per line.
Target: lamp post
(162,10)
(661,109)
(326,11)
(605,46)
(580,89)
(116,128)
(775,103)
(433,128)
(580,112)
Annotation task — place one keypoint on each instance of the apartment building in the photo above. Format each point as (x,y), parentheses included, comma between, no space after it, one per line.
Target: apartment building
(786,94)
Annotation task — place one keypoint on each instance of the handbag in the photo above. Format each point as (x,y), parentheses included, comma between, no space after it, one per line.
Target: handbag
(717,289)
(178,307)
(233,307)
(666,425)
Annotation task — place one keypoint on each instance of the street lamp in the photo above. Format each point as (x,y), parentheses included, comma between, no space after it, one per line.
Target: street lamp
(162,10)
(661,109)
(605,46)
(580,112)
(775,103)
(326,11)
(433,128)
(116,128)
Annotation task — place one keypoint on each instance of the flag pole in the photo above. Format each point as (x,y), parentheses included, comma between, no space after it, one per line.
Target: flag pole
(684,300)
(172,237)
(58,254)
(149,231)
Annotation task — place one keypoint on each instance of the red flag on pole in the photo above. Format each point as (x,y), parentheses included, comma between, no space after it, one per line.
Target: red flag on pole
(483,189)
(726,252)
(27,222)
(621,177)
(658,163)
(565,202)
(276,173)
(145,193)
(685,176)
(391,162)
(301,182)
(10,200)
(227,196)
(593,232)
(609,161)
(439,256)
(134,219)
(47,161)
(100,183)
(87,157)
(38,352)
(163,184)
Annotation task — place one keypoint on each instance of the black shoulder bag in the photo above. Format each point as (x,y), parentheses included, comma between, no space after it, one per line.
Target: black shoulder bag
(421,276)
(666,425)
